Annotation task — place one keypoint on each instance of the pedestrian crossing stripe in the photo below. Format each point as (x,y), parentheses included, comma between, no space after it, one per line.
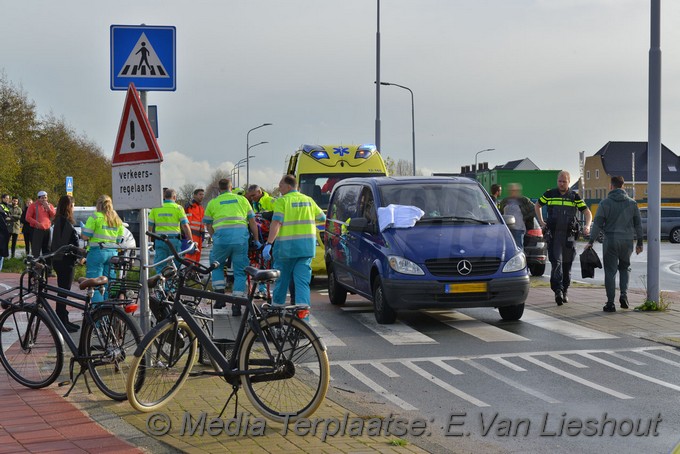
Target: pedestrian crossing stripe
(143,61)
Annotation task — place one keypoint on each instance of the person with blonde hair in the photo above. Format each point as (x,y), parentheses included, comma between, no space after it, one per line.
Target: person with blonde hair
(104,230)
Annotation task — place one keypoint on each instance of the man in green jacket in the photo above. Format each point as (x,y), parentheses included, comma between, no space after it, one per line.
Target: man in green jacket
(618,216)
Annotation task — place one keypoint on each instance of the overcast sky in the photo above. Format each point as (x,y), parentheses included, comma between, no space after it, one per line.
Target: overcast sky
(542,79)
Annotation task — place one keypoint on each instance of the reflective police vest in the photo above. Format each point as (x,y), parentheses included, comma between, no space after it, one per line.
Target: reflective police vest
(562,209)
(195,213)
(228,211)
(98,231)
(168,218)
(298,215)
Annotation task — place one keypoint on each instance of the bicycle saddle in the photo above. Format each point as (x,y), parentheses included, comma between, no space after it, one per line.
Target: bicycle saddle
(259,275)
(90,282)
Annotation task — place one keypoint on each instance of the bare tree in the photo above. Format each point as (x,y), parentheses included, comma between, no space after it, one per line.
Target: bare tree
(185,193)
(213,190)
(401,167)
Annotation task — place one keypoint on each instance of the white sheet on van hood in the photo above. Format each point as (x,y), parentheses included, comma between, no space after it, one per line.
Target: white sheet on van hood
(398,216)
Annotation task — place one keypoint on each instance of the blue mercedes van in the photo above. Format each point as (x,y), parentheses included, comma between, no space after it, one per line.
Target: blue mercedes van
(458,254)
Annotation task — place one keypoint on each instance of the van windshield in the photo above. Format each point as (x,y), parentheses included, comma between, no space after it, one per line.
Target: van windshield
(319,187)
(453,202)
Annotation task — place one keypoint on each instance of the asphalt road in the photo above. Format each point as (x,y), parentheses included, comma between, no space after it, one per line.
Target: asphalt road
(532,376)
(669,270)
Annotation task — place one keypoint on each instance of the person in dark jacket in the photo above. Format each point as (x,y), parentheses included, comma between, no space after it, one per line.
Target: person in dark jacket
(522,208)
(64,265)
(26,228)
(618,216)
(4,242)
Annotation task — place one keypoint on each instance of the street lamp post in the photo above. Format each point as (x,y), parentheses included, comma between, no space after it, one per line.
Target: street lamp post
(248,149)
(477,154)
(248,160)
(413,121)
(236,170)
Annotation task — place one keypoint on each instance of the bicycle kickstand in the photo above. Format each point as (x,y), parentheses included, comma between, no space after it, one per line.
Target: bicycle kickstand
(73,381)
(234,393)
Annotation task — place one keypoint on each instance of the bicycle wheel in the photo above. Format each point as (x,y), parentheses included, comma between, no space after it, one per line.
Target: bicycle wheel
(300,382)
(110,342)
(32,353)
(166,356)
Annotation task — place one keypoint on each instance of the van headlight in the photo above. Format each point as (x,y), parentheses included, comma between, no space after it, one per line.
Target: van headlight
(404,266)
(517,263)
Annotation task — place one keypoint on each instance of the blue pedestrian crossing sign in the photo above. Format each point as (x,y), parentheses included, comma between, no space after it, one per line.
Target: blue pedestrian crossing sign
(143,55)
(69,185)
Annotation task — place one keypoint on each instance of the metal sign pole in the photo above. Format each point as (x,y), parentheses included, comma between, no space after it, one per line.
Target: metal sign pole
(144,255)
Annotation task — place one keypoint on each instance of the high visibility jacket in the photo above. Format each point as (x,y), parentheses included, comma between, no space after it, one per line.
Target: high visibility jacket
(228,211)
(298,215)
(238,191)
(561,208)
(168,218)
(195,212)
(98,231)
(266,203)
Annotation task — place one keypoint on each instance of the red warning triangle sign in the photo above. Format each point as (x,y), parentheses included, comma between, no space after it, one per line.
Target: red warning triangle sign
(136,143)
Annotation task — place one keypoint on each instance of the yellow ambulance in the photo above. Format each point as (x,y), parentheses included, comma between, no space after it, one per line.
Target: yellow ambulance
(319,167)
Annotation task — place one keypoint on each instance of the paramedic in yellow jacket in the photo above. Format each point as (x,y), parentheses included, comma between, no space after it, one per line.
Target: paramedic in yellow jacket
(104,230)
(171,220)
(227,218)
(293,234)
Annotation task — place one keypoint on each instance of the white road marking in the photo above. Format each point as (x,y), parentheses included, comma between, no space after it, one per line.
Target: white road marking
(513,383)
(631,372)
(473,327)
(563,327)
(356,308)
(623,358)
(508,364)
(330,339)
(573,377)
(442,384)
(447,367)
(386,370)
(571,362)
(660,358)
(397,333)
(377,388)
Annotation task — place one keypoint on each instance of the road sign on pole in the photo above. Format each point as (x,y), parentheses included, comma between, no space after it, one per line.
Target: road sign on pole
(69,186)
(143,55)
(136,171)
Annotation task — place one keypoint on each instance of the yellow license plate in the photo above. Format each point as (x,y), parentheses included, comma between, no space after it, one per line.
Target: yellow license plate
(467,287)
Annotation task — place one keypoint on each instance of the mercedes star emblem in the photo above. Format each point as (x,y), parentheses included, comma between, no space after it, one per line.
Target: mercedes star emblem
(464,267)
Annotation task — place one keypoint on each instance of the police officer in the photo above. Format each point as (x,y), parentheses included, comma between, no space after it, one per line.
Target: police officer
(169,220)
(195,212)
(104,230)
(260,199)
(618,217)
(227,218)
(293,234)
(562,230)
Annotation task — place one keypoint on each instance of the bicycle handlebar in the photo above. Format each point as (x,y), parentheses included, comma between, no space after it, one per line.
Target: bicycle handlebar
(202,269)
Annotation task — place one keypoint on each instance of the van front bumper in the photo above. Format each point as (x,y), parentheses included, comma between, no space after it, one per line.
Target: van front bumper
(412,294)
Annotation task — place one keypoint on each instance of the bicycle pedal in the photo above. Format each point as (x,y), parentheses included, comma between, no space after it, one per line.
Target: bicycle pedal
(64,383)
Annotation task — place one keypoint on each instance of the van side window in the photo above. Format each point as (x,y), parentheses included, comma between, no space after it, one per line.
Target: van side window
(367,206)
(345,203)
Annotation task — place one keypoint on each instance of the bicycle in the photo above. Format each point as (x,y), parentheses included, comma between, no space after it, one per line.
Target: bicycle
(108,335)
(276,357)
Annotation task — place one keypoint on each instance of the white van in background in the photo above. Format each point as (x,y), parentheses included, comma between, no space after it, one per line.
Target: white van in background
(81,215)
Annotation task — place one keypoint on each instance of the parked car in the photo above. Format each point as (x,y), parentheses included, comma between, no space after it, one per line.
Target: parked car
(536,249)
(670,223)
(459,254)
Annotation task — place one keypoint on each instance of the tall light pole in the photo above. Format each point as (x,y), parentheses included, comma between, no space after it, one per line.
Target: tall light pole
(377,79)
(236,168)
(413,121)
(248,161)
(234,172)
(654,156)
(477,154)
(248,149)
